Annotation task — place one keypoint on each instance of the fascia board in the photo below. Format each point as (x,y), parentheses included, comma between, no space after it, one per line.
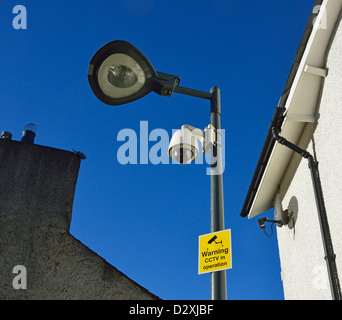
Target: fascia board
(301,104)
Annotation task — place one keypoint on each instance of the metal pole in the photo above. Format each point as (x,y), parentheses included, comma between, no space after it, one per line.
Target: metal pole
(218,279)
(218,287)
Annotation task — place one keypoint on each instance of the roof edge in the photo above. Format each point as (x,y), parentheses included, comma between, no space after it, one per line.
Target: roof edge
(278,118)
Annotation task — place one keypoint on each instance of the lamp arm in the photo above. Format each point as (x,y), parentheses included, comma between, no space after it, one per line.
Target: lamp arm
(166,84)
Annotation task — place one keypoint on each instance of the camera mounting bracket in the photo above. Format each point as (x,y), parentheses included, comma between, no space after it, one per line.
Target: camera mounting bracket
(208,136)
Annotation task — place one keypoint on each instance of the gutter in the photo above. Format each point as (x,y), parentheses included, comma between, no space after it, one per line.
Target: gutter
(278,119)
(266,152)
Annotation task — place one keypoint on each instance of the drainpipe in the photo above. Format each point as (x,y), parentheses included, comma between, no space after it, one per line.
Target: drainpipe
(330,256)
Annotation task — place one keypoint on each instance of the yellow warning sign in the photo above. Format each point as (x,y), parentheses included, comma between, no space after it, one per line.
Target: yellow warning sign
(214,252)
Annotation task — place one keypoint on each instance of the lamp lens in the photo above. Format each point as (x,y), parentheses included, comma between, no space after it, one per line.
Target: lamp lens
(121,76)
(182,155)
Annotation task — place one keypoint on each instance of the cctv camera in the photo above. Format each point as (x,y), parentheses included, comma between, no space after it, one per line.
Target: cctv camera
(183,146)
(262,222)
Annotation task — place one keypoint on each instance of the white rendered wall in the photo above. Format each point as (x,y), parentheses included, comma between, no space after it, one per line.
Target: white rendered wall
(304,271)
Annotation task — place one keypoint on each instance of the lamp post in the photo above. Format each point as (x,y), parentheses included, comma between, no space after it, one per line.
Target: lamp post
(119,73)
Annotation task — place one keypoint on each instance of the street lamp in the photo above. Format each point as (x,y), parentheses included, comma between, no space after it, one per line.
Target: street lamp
(119,73)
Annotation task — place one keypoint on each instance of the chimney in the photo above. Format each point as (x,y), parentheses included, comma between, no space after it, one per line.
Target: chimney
(6,135)
(29,133)
(36,195)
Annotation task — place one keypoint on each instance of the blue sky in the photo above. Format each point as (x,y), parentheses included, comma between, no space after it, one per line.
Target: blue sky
(145,219)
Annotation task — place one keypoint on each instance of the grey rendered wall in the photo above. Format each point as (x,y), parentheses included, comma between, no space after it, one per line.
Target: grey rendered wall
(37,186)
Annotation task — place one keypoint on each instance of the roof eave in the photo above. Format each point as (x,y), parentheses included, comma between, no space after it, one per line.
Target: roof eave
(296,107)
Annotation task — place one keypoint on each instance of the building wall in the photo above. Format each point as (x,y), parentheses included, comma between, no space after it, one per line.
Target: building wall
(37,187)
(304,271)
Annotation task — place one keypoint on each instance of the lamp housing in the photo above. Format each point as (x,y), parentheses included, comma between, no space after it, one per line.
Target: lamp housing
(119,73)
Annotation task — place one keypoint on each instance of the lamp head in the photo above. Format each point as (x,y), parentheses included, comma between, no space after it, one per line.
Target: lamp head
(119,73)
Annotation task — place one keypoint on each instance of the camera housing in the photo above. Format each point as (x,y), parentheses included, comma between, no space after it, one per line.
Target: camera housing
(183,147)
